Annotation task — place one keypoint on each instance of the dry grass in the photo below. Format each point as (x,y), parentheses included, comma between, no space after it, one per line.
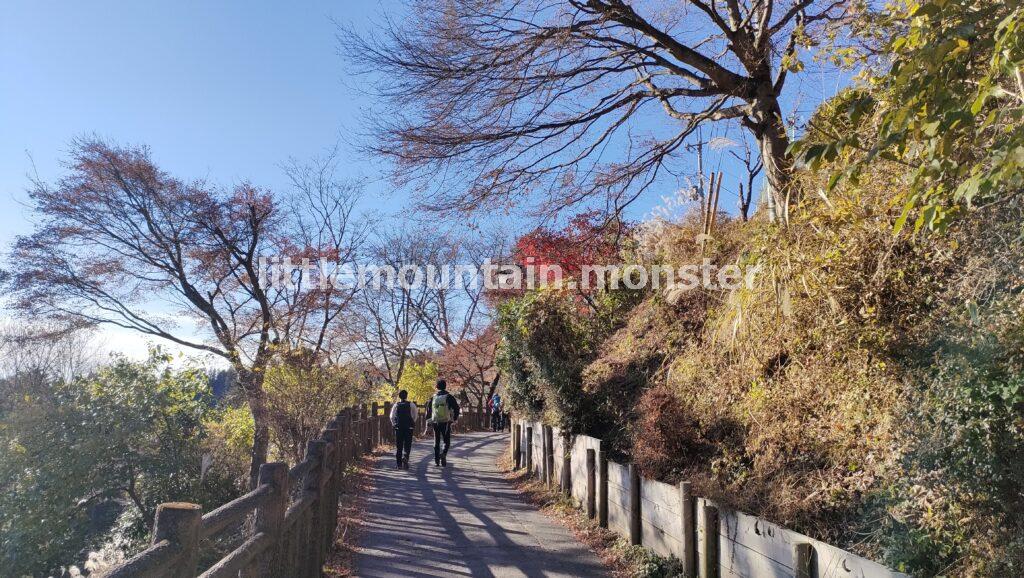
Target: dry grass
(793,398)
(351,513)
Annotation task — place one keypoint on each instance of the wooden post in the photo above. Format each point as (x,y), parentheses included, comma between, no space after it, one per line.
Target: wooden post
(180,523)
(803,554)
(315,481)
(547,452)
(529,451)
(360,430)
(687,530)
(270,517)
(357,444)
(709,552)
(602,489)
(512,445)
(332,505)
(389,431)
(550,463)
(591,484)
(517,445)
(369,431)
(566,477)
(364,437)
(635,531)
(355,426)
(374,425)
(343,439)
(542,468)
(350,436)
(332,489)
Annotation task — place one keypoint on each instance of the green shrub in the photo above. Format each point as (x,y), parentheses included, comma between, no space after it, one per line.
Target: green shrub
(120,441)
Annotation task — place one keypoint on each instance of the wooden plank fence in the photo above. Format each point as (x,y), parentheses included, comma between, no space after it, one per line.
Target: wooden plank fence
(283,527)
(711,541)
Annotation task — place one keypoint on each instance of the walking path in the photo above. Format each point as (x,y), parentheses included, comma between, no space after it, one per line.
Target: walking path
(463,520)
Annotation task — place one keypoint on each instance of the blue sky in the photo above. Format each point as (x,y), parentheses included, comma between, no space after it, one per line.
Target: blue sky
(223,90)
(226,91)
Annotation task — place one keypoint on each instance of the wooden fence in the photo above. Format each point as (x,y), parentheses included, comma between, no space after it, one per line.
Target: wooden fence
(283,527)
(710,541)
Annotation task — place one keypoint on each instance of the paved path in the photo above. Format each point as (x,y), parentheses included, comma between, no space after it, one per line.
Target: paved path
(463,520)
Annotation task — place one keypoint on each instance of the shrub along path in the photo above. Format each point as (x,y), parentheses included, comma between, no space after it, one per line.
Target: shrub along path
(463,520)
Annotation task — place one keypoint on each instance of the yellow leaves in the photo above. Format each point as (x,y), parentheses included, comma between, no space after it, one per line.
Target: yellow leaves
(419,380)
(962,47)
(792,63)
(235,427)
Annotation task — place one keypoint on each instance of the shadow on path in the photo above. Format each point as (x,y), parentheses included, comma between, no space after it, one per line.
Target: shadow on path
(463,520)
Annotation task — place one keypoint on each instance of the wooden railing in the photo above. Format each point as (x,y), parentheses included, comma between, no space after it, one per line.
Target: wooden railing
(283,527)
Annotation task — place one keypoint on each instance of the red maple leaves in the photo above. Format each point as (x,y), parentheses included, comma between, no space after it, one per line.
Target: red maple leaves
(587,239)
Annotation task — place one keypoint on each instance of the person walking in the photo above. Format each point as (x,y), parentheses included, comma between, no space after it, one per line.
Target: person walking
(495,407)
(442,412)
(403,418)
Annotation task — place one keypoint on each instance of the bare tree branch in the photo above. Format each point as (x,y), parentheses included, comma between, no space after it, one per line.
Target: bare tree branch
(556,103)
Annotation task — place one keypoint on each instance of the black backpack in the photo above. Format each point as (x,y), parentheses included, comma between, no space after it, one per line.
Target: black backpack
(403,419)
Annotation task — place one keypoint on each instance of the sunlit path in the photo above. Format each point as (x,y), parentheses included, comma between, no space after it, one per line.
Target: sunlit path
(463,520)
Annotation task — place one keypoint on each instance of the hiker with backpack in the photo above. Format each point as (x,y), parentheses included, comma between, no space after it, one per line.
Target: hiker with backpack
(496,409)
(442,412)
(403,418)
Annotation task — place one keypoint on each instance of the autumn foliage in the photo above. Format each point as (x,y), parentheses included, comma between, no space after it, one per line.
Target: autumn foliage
(587,239)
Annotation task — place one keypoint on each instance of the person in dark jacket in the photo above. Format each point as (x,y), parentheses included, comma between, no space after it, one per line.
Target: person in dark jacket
(442,412)
(403,418)
(495,408)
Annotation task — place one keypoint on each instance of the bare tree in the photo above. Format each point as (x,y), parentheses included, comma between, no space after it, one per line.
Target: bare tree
(753,165)
(455,313)
(120,242)
(47,351)
(454,308)
(330,235)
(471,363)
(35,356)
(506,98)
(387,326)
(424,293)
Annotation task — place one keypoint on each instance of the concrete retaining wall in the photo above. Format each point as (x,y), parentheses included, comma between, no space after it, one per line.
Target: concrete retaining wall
(743,546)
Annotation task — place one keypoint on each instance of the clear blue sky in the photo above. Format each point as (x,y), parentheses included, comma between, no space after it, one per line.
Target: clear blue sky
(222,90)
(225,90)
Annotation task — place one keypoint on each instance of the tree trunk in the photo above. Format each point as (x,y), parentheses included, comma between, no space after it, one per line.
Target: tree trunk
(257,398)
(770,132)
(779,174)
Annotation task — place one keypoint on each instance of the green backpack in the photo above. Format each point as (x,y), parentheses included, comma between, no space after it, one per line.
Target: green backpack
(439,408)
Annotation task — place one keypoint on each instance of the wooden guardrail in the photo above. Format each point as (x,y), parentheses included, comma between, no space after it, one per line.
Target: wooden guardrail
(283,527)
(711,541)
